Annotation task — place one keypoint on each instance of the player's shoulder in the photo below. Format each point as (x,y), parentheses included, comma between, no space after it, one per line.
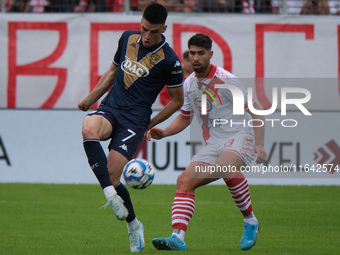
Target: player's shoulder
(169,53)
(228,77)
(171,59)
(190,77)
(166,47)
(126,34)
(224,74)
(188,81)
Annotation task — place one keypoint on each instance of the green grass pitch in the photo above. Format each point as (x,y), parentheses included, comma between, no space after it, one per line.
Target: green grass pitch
(65,219)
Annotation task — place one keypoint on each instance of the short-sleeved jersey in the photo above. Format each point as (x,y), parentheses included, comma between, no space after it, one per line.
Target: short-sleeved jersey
(142,73)
(219,122)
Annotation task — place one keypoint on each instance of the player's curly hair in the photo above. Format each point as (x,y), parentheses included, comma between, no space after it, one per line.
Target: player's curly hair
(200,40)
(155,13)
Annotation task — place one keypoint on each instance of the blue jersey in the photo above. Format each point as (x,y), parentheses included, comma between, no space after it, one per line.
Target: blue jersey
(141,75)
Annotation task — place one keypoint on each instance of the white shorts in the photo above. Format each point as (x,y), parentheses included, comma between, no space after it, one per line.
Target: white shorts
(241,144)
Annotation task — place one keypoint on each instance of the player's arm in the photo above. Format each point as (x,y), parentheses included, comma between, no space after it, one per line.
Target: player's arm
(101,88)
(259,136)
(179,124)
(175,103)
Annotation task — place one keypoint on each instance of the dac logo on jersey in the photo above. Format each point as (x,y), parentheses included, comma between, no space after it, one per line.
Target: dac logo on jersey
(134,68)
(198,102)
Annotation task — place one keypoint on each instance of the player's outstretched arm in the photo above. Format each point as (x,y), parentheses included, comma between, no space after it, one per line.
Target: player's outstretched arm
(179,124)
(103,85)
(259,136)
(175,103)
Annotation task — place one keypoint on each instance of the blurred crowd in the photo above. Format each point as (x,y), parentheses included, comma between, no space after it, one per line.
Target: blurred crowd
(294,7)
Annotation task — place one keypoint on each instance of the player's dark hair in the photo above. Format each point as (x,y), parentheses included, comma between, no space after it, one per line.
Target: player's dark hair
(155,13)
(200,40)
(186,54)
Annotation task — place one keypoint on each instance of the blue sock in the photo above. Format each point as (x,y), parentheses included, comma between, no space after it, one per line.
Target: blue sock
(97,161)
(125,195)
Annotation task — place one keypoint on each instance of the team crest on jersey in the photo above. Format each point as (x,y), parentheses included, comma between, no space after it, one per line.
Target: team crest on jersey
(134,68)
(198,102)
(154,58)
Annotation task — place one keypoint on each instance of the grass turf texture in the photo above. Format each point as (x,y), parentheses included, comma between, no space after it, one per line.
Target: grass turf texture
(65,219)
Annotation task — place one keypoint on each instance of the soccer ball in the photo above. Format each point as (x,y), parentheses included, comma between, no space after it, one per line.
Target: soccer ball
(138,173)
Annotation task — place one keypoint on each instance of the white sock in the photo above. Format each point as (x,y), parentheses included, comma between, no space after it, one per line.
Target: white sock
(179,233)
(251,219)
(109,191)
(133,224)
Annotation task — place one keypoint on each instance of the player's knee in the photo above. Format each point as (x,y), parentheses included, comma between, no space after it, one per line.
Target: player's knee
(180,181)
(88,133)
(183,182)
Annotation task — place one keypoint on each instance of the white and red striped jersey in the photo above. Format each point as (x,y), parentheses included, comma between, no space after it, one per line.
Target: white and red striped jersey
(219,122)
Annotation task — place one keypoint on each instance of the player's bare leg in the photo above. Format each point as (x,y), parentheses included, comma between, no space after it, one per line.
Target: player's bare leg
(183,209)
(239,190)
(95,129)
(184,202)
(116,163)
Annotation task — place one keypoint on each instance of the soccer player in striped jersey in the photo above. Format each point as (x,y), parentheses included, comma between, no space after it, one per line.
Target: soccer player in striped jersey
(226,146)
(143,64)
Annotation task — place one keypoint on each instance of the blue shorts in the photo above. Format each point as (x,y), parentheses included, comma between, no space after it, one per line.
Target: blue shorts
(126,134)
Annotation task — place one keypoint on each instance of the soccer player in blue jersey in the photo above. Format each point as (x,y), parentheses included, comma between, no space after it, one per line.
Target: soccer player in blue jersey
(143,64)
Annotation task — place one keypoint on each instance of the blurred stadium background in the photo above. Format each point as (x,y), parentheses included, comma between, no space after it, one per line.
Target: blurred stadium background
(323,7)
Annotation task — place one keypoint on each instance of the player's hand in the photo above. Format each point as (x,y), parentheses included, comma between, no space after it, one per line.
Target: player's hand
(82,105)
(155,133)
(261,154)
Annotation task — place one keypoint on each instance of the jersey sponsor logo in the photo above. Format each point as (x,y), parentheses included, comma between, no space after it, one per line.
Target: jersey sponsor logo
(199,101)
(134,68)
(177,63)
(176,72)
